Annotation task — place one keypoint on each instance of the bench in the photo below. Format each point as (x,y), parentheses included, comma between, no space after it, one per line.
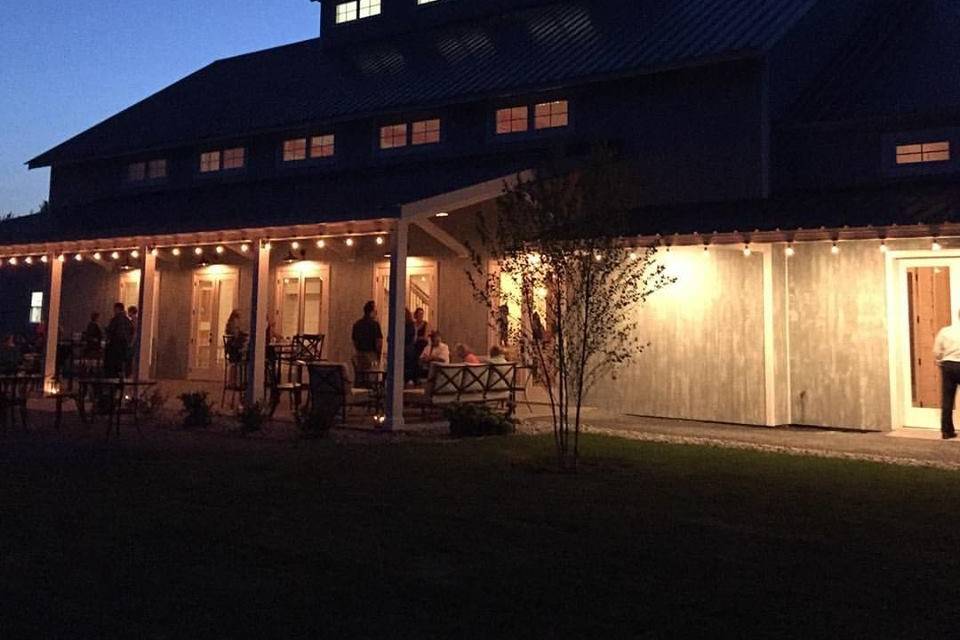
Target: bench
(448,384)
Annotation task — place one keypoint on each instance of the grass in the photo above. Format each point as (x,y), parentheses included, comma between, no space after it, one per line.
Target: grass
(481,539)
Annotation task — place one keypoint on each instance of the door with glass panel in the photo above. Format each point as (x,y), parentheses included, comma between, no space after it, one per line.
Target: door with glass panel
(302,300)
(929,301)
(215,293)
(421,291)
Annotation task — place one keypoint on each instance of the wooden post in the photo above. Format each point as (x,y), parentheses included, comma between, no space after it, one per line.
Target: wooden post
(53,323)
(397,319)
(257,360)
(145,337)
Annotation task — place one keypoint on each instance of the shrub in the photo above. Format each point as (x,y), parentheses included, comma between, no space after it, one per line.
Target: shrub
(152,402)
(317,422)
(474,420)
(252,417)
(197,410)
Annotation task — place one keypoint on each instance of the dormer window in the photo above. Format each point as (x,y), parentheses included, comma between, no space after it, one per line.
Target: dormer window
(542,115)
(923,152)
(356,10)
(513,120)
(148,170)
(420,132)
(549,115)
(227,159)
(313,147)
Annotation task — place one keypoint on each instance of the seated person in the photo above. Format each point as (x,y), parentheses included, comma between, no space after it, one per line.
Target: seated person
(435,351)
(466,355)
(496,355)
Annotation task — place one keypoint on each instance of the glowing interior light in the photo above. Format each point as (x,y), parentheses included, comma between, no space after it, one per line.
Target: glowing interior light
(294,245)
(936,246)
(835,249)
(198,251)
(176,251)
(321,243)
(220,250)
(134,254)
(349,242)
(443,214)
(115,255)
(789,251)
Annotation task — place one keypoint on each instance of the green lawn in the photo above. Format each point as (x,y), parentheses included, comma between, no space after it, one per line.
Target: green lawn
(220,538)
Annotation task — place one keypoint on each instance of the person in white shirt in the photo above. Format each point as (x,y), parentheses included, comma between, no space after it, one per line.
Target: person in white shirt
(946,351)
(437,351)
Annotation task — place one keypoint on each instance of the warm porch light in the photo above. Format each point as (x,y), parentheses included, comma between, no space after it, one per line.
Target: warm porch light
(267,246)
(294,245)
(220,250)
(28,260)
(789,251)
(176,251)
(44,259)
(154,252)
(747,251)
(61,257)
(835,249)
(134,254)
(198,251)
(244,247)
(380,241)
(349,242)
(78,257)
(97,256)
(883,247)
(115,255)
(13,261)
(321,243)
(936,246)
(443,214)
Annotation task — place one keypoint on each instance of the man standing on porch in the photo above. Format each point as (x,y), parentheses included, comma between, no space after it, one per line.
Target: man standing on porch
(368,339)
(946,350)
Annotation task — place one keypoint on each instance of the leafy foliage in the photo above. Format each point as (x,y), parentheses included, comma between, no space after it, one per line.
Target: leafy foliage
(252,417)
(197,410)
(474,420)
(560,240)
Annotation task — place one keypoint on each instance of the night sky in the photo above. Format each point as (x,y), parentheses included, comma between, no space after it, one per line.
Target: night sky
(65,66)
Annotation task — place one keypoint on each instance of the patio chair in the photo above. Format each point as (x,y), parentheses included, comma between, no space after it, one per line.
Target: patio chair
(291,384)
(234,369)
(309,347)
(441,389)
(501,380)
(473,383)
(330,388)
(14,392)
(521,384)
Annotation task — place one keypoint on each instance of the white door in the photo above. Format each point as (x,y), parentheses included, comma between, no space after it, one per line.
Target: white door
(214,298)
(421,291)
(302,300)
(929,299)
(129,295)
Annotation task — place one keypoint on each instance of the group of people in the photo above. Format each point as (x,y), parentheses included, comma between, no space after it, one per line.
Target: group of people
(117,343)
(423,347)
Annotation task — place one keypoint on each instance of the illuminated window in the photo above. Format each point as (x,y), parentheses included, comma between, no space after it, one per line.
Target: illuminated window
(209,161)
(425,132)
(322,146)
(295,150)
(234,158)
(425,1)
(548,115)
(924,152)
(513,120)
(136,172)
(355,9)
(36,307)
(157,169)
(393,136)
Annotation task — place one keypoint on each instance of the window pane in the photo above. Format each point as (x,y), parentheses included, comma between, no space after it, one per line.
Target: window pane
(551,114)
(513,120)
(393,136)
(346,11)
(924,152)
(369,8)
(36,299)
(210,161)
(426,132)
(157,169)
(312,302)
(234,158)
(136,171)
(295,150)
(322,146)
(290,307)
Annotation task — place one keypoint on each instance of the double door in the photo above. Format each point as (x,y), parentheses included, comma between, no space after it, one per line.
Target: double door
(215,293)
(302,300)
(421,291)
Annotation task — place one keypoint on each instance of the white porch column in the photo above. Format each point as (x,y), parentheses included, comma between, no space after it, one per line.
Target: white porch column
(397,319)
(258,323)
(147,306)
(52,322)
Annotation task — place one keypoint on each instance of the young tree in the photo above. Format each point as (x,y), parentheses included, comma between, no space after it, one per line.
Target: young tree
(565,266)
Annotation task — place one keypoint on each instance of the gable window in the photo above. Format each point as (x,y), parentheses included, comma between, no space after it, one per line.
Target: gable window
(356,9)
(923,152)
(322,146)
(513,120)
(36,307)
(212,161)
(294,150)
(312,147)
(549,115)
(425,132)
(150,170)
(393,136)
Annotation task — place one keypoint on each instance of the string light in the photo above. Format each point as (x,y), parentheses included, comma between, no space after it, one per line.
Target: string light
(267,246)
(294,245)
(44,259)
(13,261)
(134,254)
(220,250)
(198,251)
(321,243)
(380,241)
(97,256)
(349,242)
(28,260)
(78,257)
(61,258)
(176,251)
(154,252)
(244,247)
(115,255)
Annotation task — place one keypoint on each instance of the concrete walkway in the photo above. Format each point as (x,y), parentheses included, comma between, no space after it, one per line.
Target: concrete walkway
(915,447)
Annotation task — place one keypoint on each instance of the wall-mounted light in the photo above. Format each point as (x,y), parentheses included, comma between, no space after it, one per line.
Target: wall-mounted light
(835,249)
(267,246)
(936,246)
(747,251)
(883,246)
(61,258)
(154,252)
(789,251)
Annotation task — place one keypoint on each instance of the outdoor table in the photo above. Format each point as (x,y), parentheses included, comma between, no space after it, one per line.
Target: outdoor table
(113,391)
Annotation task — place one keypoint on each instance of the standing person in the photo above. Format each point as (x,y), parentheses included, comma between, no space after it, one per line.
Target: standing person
(367,338)
(119,337)
(134,314)
(421,330)
(93,337)
(946,351)
(410,352)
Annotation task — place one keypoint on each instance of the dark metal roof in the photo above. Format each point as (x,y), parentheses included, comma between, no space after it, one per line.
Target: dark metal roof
(531,49)
(901,62)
